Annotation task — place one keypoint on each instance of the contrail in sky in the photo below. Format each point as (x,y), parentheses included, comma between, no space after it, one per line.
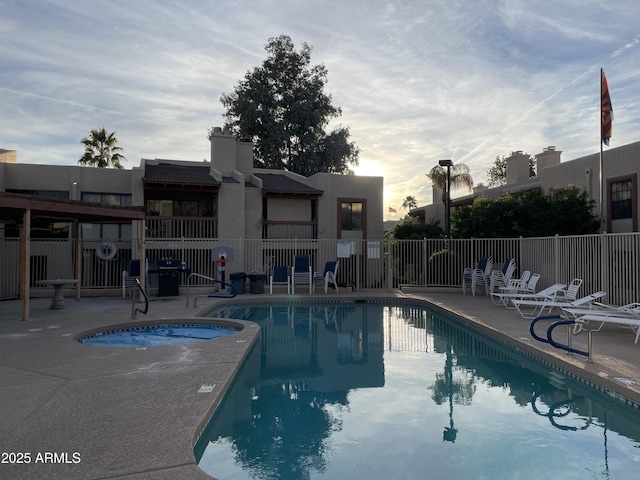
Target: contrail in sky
(523,117)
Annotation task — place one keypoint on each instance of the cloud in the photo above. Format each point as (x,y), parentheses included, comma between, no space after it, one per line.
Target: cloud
(417,81)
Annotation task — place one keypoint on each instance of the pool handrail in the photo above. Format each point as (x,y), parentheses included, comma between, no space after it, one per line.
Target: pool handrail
(555,344)
(135,310)
(232,287)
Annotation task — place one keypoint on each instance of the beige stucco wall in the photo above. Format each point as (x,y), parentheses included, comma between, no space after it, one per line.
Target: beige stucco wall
(231,211)
(63,178)
(352,187)
(289,209)
(253,212)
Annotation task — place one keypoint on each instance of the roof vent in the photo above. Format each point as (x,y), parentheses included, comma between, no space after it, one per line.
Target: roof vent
(550,148)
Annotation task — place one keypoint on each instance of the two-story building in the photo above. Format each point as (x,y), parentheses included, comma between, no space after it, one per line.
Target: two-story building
(615,193)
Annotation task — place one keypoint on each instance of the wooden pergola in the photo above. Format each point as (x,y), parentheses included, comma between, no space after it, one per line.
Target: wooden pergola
(20,209)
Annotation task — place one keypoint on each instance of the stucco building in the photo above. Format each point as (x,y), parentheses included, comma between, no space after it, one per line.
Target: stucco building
(619,181)
(225,198)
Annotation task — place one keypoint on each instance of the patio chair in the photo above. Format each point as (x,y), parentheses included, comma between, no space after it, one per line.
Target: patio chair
(280,276)
(538,307)
(478,276)
(515,285)
(501,278)
(597,309)
(130,276)
(571,292)
(301,272)
(506,299)
(328,276)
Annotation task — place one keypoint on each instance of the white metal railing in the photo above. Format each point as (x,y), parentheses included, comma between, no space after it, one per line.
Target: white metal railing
(180,228)
(607,262)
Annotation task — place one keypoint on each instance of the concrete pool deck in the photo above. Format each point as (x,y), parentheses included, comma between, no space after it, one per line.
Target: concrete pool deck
(84,412)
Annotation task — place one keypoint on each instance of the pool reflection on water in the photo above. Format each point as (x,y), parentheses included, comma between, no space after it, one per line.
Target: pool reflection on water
(352,390)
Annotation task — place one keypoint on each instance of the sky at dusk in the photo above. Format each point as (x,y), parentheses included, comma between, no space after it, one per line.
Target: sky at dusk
(417,81)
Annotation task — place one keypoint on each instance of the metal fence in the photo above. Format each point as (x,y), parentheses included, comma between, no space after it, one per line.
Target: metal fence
(607,262)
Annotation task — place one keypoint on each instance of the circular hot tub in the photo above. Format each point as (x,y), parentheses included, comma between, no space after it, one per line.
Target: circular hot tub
(157,335)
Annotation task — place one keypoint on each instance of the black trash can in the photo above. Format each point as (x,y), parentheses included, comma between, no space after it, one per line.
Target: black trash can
(238,280)
(256,282)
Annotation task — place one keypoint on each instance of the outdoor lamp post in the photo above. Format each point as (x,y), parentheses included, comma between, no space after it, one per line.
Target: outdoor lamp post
(447,163)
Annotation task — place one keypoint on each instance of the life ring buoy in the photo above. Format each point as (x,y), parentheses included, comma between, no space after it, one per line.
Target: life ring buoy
(106,250)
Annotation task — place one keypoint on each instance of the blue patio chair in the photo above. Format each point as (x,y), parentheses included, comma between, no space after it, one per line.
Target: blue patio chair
(327,276)
(280,276)
(130,276)
(301,272)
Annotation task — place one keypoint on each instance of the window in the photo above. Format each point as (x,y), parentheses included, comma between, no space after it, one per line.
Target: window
(621,198)
(43,193)
(351,216)
(118,199)
(114,231)
(182,208)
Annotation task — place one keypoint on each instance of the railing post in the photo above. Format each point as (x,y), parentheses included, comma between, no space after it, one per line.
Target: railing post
(425,266)
(556,258)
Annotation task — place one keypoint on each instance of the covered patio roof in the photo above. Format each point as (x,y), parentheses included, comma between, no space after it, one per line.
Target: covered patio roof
(14,205)
(21,209)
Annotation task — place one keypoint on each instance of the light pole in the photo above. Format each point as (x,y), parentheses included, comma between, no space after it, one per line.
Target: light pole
(447,163)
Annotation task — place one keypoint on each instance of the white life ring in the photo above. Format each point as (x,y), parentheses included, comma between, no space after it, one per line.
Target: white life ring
(106,250)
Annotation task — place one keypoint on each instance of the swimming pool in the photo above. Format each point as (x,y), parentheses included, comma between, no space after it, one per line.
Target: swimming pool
(379,391)
(156,335)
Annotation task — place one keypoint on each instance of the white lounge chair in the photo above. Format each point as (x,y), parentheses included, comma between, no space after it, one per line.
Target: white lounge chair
(517,285)
(601,311)
(506,299)
(631,321)
(568,294)
(538,307)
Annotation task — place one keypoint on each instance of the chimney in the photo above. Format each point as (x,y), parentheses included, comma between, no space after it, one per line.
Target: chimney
(223,151)
(517,168)
(549,156)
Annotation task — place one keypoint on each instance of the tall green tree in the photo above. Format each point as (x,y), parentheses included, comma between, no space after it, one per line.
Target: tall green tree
(282,107)
(409,202)
(497,174)
(101,150)
(460,177)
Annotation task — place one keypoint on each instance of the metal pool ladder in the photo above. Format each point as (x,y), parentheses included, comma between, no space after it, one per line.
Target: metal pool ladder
(549,339)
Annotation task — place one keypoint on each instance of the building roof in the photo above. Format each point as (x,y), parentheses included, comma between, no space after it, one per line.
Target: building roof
(280,184)
(168,173)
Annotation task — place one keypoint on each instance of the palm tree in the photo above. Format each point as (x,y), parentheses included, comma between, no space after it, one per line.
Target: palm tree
(101,150)
(409,202)
(460,177)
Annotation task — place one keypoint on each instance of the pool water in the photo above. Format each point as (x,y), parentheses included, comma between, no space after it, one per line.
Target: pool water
(157,335)
(351,390)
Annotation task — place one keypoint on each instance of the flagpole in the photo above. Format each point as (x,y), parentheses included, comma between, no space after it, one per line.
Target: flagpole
(601,177)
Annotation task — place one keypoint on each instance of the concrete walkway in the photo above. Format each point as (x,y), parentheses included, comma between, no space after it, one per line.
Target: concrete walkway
(73,411)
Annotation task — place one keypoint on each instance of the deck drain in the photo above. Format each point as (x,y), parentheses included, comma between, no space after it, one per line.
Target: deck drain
(206,388)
